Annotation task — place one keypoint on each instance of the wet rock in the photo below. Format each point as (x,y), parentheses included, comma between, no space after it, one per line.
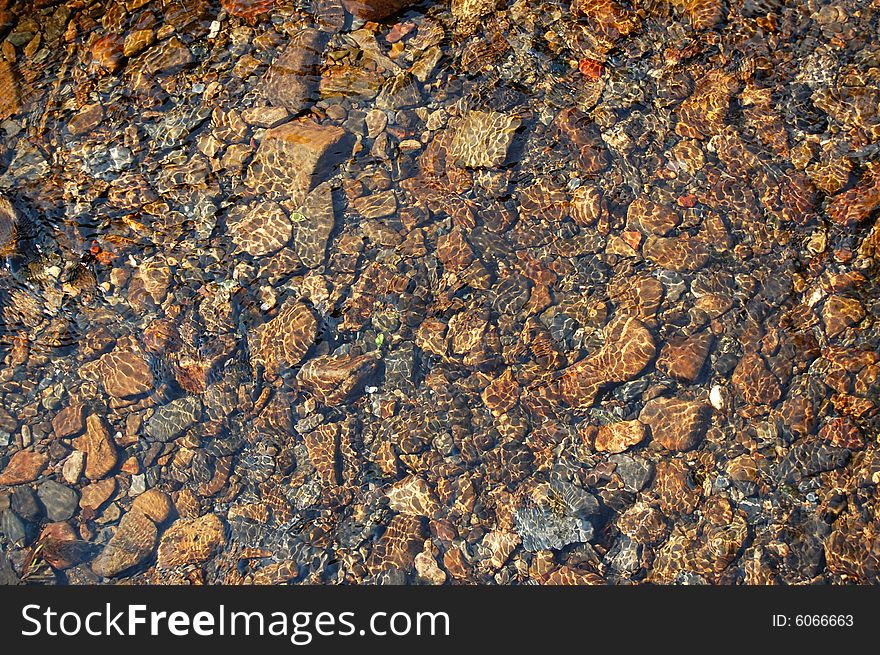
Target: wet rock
(23,466)
(13,528)
(809,457)
(412,496)
(259,229)
(755,381)
(642,523)
(676,424)
(502,393)
(618,437)
(334,379)
(247,8)
(375,9)
(69,421)
(855,205)
(73,467)
(839,313)
(295,157)
(88,118)
(682,358)
(541,528)
(99,448)
(265,116)
(9,95)
(25,504)
(134,541)
(191,541)
(635,472)
(483,139)
(123,372)
(171,420)
(681,253)
(283,341)
(97,493)
(650,217)
(427,567)
(628,348)
(292,79)
(313,225)
(59,500)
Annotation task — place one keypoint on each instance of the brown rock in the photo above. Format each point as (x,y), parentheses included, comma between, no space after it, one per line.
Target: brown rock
(10,102)
(333,379)
(24,466)
(247,8)
(755,381)
(682,358)
(285,339)
(295,157)
(99,448)
(375,9)
(133,542)
(292,79)
(156,504)
(107,52)
(681,253)
(628,348)
(191,541)
(58,546)
(97,493)
(259,229)
(676,424)
(69,422)
(88,118)
(483,139)
(650,217)
(123,371)
(617,437)
(839,313)
(412,496)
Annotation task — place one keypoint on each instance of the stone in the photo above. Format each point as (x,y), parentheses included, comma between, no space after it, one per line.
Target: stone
(412,496)
(24,466)
(681,253)
(635,472)
(295,157)
(676,424)
(69,421)
(335,379)
(755,382)
(375,9)
(134,541)
(13,528)
(97,493)
(650,217)
(10,102)
(24,503)
(541,528)
(628,348)
(427,567)
(682,358)
(156,504)
(314,224)
(259,229)
(284,340)
(171,420)
(60,501)
(247,9)
(839,313)
(620,436)
(483,139)
(292,79)
(265,116)
(123,372)
(376,121)
(191,541)
(499,545)
(99,448)
(88,118)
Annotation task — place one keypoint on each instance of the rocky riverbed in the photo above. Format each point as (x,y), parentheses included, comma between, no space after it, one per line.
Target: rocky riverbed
(480,291)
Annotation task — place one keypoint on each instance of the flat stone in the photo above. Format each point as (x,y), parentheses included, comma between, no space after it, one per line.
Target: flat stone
(376,205)
(69,421)
(24,466)
(88,118)
(375,9)
(97,493)
(123,372)
(155,504)
(10,102)
(483,139)
(191,541)
(681,253)
(839,313)
(314,224)
(682,358)
(134,541)
(618,437)
(284,340)
(635,472)
(676,424)
(264,116)
(73,466)
(259,229)
(292,79)
(171,420)
(13,528)
(334,379)
(99,448)
(59,500)
(295,157)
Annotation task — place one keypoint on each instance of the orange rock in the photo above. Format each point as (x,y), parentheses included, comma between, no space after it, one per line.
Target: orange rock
(24,466)
(99,448)
(617,437)
(191,541)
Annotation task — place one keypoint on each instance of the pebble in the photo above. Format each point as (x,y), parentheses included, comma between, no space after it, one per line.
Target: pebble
(98,447)
(23,466)
(60,501)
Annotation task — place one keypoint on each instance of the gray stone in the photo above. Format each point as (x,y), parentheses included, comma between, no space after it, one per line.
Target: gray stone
(59,500)
(171,420)
(24,502)
(541,528)
(635,472)
(13,528)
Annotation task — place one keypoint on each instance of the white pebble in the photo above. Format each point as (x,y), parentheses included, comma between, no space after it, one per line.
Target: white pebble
(716,398)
